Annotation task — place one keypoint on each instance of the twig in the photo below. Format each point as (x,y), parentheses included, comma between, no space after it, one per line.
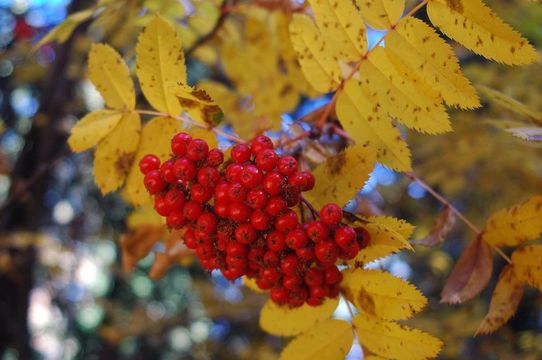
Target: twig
(224,13)
(188,120)
(313,211)
(453,209)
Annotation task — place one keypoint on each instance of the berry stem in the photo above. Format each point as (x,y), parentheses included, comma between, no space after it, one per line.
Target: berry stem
(313,211)
(190,121)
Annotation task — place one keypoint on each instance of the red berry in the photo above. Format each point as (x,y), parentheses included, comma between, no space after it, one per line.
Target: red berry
(305,253)
(168,174)
(233,172)
(287,165)
(260,220)
(313,301)
(286,222)
(184,169)
(317,231)
(267,159)
(276,205)
(292,281)
(236,192)
(153,182)
(190,239)
(318,292)
(345,236)
(179,143)
(298,297)
(175,219)
(201,193)
(251,176)
(192,210)
(296,239)
(264,284)
(208,176)
(303,180)
(239,212)
(276,241)
(215,158)
(273,183)
(279,294)
(314,277)
(350,252)
(197,150)
(207,223)
(271,274)
(290,264)
(260,143)
(222,209)
(326,252)
(363,237)
(237,250)
(292,195)
(271,258)
(257,198)
(221,192)
(245,233)
(149,163)
(240,153)
(175,199)
(161,206)
(332,275)
(331,214)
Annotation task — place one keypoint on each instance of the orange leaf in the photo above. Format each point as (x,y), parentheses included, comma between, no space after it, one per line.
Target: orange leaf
(470,274)
(175,251)
(504,302)
(138,242)
(441,227)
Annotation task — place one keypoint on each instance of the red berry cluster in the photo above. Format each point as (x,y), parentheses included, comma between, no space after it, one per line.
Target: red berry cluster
(239,219)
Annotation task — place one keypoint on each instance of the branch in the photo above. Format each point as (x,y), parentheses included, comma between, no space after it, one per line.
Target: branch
(453,209)
(205,38)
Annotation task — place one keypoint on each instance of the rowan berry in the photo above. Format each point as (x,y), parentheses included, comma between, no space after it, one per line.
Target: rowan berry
(149,163)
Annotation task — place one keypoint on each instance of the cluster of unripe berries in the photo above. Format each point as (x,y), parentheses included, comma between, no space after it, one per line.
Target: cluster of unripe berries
(239,218)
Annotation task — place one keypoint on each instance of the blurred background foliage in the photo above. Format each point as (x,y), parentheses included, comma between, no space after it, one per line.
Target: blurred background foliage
(60,270)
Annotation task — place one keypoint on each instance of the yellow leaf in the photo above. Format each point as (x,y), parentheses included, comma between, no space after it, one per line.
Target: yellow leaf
(521,223)
(320,69)
(340,177)
(63,31)
(504,301)
(115,153)
(160,65)
(283,321)
(145,215)
(155,139)
(400,97)
(329,340)
(511,104)
(199,105)
(382,294)
(417,46)
(388,236)
(528,265)
(251,284)
(111,76)
(394,341)
(342,27)
(365,120)
(381,14)
(475,26)
(92,128)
